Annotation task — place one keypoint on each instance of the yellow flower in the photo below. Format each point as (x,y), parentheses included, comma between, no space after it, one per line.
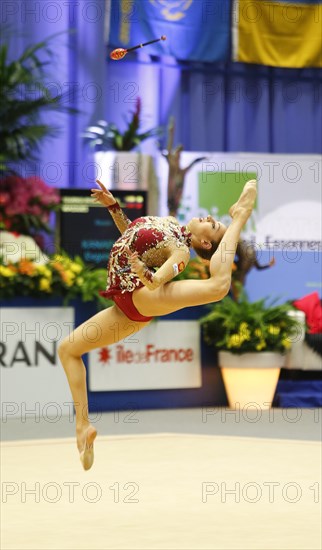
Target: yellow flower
(244,332)
(68,277)
(79,281)
(258,332)
(44,284)
(43,270)
(273,329)
(286,343)
(76,268)
(6,271)
(58,258)
(261,345)
(234,341)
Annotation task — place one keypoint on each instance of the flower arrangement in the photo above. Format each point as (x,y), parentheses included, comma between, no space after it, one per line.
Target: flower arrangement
(243,326)
(25,204)
(106,136)
(61,276)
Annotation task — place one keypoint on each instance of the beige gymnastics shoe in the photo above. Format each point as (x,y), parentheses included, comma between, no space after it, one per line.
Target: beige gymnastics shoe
(87,454)
(245,204)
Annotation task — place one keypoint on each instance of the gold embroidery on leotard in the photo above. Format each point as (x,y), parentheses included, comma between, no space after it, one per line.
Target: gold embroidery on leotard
(120,219)
(154,255)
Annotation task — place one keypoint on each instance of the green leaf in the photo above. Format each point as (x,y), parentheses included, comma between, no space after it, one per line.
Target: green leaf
(21,128)
(118,140)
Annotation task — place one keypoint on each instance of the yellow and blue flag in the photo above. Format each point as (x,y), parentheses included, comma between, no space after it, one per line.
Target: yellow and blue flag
(196,30)
(278,33)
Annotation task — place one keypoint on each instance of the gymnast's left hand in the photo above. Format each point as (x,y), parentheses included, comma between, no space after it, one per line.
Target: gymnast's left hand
(136,264)
(146,276)
(102,195)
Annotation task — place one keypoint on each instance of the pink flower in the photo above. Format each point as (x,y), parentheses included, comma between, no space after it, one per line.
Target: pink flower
(34,210)
(21,198)
(50,199)
(46,195)
(4,198)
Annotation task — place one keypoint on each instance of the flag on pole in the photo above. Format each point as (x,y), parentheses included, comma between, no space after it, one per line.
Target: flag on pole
(278,33)
(196,30)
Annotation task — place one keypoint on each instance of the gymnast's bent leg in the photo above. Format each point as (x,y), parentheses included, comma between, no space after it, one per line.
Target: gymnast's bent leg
(103,329)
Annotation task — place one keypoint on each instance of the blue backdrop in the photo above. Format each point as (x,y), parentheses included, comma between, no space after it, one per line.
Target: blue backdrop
(223,106)
(217,106)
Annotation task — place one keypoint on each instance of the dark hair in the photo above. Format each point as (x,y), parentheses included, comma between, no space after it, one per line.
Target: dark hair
(206,253)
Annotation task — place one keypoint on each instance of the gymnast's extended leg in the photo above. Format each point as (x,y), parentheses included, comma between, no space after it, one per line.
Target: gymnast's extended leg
(180,294)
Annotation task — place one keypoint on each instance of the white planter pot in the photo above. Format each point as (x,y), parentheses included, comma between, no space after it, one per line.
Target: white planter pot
(250,378)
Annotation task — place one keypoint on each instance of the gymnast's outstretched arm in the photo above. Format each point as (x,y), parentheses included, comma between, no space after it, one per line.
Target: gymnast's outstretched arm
(106,198)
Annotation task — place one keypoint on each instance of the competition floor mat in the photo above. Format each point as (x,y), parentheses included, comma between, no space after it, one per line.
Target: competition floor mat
(162,491)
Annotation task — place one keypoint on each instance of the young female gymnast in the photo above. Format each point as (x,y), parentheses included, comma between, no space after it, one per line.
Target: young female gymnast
(140,293)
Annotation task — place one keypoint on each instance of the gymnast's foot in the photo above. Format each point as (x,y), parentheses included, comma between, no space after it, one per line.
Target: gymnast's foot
(243,207)
(85,442)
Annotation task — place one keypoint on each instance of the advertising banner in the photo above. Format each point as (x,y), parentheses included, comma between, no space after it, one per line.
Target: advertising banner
(289,192)
(33,382)
(163,355)
(285,225)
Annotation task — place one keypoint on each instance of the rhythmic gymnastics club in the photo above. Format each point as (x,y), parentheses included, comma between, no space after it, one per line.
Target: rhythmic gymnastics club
(119,53)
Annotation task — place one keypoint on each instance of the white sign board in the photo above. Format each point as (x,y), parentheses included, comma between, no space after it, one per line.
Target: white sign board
(164,355)
(288,208)
(33,382)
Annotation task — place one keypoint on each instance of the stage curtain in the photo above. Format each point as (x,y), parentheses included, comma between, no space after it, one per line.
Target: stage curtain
(223,107)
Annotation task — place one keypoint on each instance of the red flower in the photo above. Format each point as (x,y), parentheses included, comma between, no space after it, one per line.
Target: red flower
(23,199)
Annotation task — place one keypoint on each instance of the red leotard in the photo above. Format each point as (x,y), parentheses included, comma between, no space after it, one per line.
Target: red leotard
(148,236)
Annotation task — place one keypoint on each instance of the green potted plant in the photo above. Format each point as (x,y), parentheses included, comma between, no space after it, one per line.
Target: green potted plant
(22,127)
(252,339)
(118,155)
(105,136)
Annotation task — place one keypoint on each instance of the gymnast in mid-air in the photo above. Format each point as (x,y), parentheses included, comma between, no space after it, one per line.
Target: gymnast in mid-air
(141,292)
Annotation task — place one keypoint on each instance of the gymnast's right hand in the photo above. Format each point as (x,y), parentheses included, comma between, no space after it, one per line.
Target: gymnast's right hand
(102,195)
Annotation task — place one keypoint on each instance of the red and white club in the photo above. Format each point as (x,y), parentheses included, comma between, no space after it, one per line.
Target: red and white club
(119,53)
